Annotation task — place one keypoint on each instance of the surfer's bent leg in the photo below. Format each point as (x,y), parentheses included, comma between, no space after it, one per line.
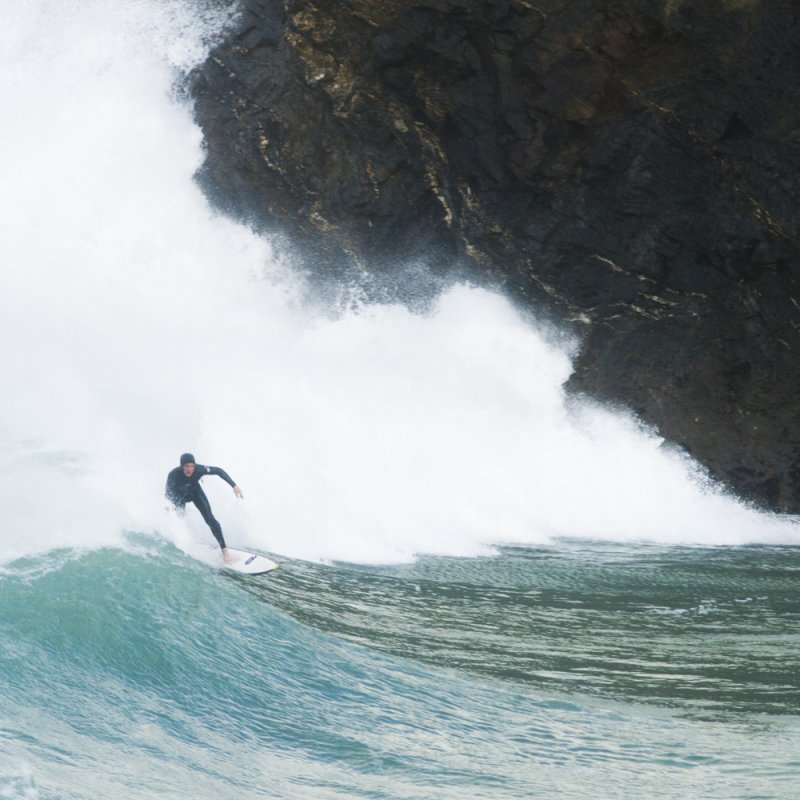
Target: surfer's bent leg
(204,507)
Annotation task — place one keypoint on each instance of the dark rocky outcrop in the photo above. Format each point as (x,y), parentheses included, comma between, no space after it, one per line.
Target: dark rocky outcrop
(631,167)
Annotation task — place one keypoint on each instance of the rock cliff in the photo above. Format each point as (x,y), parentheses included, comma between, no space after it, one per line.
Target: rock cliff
(628,167)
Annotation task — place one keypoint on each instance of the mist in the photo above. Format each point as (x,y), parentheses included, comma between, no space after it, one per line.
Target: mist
(138,323)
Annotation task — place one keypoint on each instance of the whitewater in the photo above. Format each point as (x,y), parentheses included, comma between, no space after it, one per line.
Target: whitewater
(467,551)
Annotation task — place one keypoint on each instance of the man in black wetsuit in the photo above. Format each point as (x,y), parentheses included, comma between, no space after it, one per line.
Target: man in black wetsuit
(183,486)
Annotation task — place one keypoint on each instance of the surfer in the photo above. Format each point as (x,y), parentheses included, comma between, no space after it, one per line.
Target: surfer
(183,486)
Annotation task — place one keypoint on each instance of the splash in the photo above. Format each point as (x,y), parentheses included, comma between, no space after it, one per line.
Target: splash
(138,324)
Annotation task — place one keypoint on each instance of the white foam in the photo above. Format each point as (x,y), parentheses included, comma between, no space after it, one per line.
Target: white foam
(16,781)
(138,324)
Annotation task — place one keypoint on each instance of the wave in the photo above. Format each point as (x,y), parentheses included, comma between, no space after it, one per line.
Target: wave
(148,674)
(700,631)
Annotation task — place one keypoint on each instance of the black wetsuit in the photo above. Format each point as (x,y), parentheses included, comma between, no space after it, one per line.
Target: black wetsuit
(182,490)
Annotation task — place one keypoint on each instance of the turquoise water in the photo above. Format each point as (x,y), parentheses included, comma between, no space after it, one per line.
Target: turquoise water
(577,670)
(465,608)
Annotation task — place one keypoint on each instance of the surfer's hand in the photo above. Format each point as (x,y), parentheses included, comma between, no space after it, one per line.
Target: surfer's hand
(237,491)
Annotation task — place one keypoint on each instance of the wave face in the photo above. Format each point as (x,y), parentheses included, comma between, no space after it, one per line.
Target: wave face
(138,324)
(144,674)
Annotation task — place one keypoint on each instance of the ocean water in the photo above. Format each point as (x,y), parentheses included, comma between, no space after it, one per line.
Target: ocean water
(487,590)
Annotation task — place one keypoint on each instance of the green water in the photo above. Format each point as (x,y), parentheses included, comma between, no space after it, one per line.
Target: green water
(580,670)
(696,629)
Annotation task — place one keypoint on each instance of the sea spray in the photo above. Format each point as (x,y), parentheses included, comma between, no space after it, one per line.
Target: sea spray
(139,323)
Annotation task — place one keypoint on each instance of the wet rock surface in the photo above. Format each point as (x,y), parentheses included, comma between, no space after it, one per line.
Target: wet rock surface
(629,168)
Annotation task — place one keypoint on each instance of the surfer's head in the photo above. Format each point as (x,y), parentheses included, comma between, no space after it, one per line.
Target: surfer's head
(187,462)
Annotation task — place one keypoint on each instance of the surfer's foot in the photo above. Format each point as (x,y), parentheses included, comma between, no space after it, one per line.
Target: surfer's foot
(227,556)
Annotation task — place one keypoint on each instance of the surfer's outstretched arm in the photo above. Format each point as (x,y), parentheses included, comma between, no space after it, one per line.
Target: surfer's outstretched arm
(227,478)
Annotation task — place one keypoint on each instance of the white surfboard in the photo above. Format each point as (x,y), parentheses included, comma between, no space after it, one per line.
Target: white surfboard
(249,563)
